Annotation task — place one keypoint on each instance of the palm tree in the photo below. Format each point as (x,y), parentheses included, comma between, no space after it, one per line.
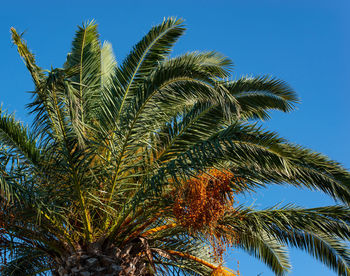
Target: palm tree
(133,169)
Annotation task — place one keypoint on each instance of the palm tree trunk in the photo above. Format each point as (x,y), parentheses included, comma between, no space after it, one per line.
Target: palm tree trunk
(128,261)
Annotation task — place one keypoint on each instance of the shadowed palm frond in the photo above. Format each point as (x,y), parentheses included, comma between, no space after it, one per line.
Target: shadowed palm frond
(27,262)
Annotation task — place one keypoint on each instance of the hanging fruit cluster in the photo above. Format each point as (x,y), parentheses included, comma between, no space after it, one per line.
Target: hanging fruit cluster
(220,271)
(202,200)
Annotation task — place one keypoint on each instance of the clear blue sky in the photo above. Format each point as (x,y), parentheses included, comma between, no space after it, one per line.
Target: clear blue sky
(304,42)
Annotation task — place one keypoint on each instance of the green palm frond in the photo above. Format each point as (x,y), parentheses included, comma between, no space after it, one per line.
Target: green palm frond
(319,231)
(28,57)
(266,249)
(145,57)
(170,85)
(257,95)
(259,157)
(331,220)
(186,129)
(332,252)
(117,151)
(18,138)
(85,58)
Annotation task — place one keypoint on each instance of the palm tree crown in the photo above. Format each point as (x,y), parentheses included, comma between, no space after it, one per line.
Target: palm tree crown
(133,168)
